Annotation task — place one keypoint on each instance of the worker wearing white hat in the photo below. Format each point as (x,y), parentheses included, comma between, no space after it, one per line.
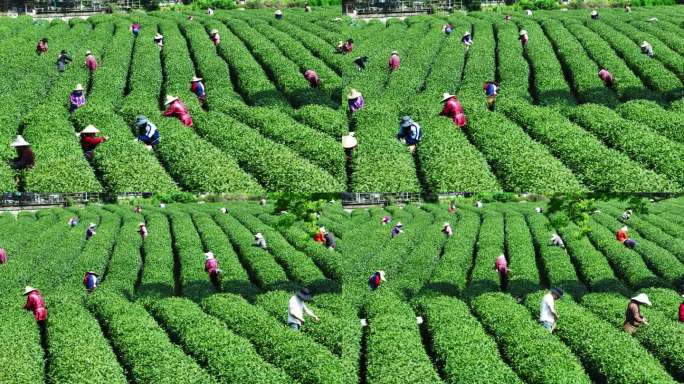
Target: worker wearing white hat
(36,303)
(197,87)
(77,98)
(397,230)
(453,109)
(142,230)
(355,100)
(176,108)
(90,281)
(647,49)
(90,232)
(215,37)
(376,279)
(278,14)
(90,62)
(349,141)
(394,61)
(211,266)
(260,241)
(633,317)
(467,39)
(447,230)
(594,15)
(25,158)
(159,40)
(522,36)
(90,141)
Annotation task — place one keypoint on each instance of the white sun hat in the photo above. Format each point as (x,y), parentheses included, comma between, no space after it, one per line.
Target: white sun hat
(141,224)
(78,87)
(28,290)
(399,224)
(382,275)
(642,298)
(158,36)
(523,32)
(208,255)
(322,230)
(170,99)
(625,228)
(349,141)
(92,225)
(89,52)
(90,129)
(395,53)
(445,224)
(214,31)
(353,94)
(195,78)
(20,142)
(466,33)
(259,235)
(644,44)
(446,96)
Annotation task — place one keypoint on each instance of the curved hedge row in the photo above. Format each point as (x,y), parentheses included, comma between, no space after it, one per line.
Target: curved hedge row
(667,123)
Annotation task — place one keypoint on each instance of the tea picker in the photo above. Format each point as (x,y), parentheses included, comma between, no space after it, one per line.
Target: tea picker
(447,230)
(386,220)
(76,99)
(355,100)
(557,241)
(278,14)
(622,236)
(594,15)
(523,37)
(90,232)
(491,90)
(394,61)
(211,267)
(453,109)
(376,279)
(409,132)
(647,49)
(260,241)
(62,60)
(3,256)
(197,87)
(626,215)
(90,281)
(148,133)
(396,230)
(547,311)
(467,39)
(90,141)
(361,62)
(176,108)
(501,266)
(142,230)
(681,311)
(606,77)
(633,317)
(312,77)
(90,62)
(159,40)
(25,158)
(42,46)
(319,236)
(36,303)
(296,309)
(135,29)
(329,240)
(215,37)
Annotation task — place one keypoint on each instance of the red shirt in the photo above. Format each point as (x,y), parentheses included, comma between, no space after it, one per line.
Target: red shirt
(27,159)
(318,237)
(180,111)
(88,143)
(35,303)
(452,108)
(210,265)
(621,236)
(312,77)
(681,313)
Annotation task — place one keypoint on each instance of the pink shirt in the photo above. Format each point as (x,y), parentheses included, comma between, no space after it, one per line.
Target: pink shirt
(394,62)
(501,265)
(605,76)
(143,232)
(180,111)
(91,63)
(3,256)
(211,265)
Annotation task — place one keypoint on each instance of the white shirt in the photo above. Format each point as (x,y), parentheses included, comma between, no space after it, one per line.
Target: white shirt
(548,307)
(556,240)
(297,307)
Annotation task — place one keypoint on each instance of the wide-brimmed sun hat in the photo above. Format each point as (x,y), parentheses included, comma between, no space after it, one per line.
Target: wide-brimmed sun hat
(259,235)
(642,298)
(214,31)
(395,52)
(208,255)
(90,129)
(140,120)
(353,94)
(445,224)
(446,96)
(558,291)
(382,275)
(644,44)
(28,290)
(349,141)
(304,294)
(406,121)
(523,32)
(158,36)
(92,273)
(399,224)
(625,228)
(141,224)
(195,78)
(170,99)
(322,230)
(78,87)
(92,225)
(20,142)
(89,52)
(466,33)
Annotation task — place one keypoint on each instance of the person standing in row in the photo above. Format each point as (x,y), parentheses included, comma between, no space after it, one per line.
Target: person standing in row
(453,109)
(329,240)
(90,62)
(296,309)
(467,39)
(36,303)
(376,279)
(447,230)
(312,77)
(90,232)
(410,133)
(606,77)
(548,317)
(25,158)
(176,108)
(3,256)
(355,100)
(76,99)
(211,267)
(397,230)
(147,132)
(524,39)
(90,141)
(215,37)
(62,60)
(135,29)
(142,230)
(491,90)
(197,87)
(501,266)
(557,241)
(73,221)
(260,241)
(42,46)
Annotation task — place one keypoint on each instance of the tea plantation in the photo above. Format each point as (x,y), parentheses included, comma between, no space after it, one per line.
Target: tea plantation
(156,317)
(555,127)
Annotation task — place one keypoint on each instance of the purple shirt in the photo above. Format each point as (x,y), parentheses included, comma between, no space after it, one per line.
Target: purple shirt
(356,104)
(77,100)
(3,256)
(395,231)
